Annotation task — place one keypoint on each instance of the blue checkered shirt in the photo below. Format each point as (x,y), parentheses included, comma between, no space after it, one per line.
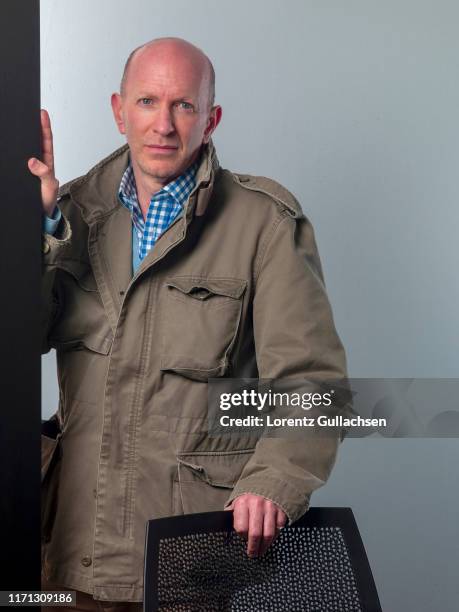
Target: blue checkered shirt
(165,205)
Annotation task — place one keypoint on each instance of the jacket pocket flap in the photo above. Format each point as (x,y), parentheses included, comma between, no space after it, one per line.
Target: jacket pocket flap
(219,469)
(202,288)
(94,342)
(81,272)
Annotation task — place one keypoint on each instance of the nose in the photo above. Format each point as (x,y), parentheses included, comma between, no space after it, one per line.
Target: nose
(164,121)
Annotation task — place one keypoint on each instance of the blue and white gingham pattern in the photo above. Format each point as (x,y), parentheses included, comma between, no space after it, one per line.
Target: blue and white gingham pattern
(165,205)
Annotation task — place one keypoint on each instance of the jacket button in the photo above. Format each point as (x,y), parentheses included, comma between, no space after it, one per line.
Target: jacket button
(86,561)
(46,247)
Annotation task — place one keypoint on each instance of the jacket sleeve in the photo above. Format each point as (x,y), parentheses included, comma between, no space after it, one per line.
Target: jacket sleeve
(53,247)
(295,337)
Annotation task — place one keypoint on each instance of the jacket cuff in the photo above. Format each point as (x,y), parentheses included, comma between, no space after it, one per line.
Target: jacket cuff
(294,503)
(51,223)
(53,244)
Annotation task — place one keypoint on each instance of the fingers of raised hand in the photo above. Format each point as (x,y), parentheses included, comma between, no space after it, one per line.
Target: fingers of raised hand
(49,184)
(38,168)
(44,168)
(47,140)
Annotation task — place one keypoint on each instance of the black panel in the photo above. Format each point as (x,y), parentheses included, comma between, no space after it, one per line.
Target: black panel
(19,307)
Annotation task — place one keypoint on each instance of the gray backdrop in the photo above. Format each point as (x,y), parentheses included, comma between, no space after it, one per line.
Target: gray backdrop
(352,106)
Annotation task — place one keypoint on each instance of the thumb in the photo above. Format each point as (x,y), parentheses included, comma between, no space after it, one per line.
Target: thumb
(37,167)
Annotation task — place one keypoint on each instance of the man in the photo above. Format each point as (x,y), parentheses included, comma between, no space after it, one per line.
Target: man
(162,270)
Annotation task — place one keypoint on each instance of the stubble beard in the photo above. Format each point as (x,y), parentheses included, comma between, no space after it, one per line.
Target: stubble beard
(154,171)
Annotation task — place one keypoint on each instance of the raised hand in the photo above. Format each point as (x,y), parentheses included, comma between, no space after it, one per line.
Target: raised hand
(44,169)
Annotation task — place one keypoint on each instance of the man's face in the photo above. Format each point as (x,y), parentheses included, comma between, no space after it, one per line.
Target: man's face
(165,112)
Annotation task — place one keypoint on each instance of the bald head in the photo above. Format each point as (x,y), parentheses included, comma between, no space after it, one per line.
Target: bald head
(165,110)
(176,49)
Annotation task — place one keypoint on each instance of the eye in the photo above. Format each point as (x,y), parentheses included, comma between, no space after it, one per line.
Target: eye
(185,106)
(145,101)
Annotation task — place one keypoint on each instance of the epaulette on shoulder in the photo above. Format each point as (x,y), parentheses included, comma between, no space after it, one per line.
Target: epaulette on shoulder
(271,188)
(64,190)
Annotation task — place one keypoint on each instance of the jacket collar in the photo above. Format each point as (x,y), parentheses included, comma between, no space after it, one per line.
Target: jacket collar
(96,193)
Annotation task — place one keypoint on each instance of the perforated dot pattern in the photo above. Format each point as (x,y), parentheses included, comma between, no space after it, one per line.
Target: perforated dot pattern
(307,569)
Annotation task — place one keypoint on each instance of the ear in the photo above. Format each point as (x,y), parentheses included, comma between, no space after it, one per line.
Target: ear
(117,108)
(215,116)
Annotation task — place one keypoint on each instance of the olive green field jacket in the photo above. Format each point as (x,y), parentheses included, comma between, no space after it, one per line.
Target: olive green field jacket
(233,288)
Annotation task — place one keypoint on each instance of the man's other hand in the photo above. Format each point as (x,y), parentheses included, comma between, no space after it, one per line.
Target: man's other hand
(44,169)
(258,520)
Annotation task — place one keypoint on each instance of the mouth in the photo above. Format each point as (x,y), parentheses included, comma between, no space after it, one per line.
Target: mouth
(156,148)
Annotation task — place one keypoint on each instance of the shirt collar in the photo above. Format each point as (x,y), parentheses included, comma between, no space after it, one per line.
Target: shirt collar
(179,189)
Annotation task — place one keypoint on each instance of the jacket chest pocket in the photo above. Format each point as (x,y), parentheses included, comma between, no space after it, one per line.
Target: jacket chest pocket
(201,319)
